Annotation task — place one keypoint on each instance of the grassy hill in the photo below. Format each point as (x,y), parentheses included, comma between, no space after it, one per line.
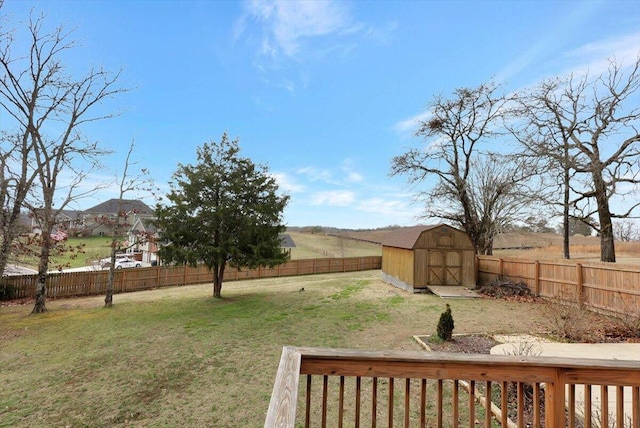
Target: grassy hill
(331,242)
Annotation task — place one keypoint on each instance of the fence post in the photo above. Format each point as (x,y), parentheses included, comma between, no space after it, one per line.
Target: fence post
(501,269)
(579,284)
(536,281)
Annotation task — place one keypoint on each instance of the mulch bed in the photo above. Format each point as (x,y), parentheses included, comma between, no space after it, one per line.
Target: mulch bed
(465,344)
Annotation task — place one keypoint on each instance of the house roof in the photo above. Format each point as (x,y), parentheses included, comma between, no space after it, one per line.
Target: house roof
(286,241)
(127,205)
(407,236)
(145,225)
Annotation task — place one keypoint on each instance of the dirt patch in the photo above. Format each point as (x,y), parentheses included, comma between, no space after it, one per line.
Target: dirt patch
(16,302)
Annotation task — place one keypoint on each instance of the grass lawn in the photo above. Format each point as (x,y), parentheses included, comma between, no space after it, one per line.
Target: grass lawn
(311,246)
(93,248)
(177,357)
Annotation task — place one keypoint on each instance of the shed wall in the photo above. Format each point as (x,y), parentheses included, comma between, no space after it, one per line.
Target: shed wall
(398,263)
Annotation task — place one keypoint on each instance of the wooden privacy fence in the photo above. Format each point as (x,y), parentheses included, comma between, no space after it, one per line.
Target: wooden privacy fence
(95,282)
(610,288)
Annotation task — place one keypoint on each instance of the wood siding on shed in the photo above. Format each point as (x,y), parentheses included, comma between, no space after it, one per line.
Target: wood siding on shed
(398,263)
(444,237)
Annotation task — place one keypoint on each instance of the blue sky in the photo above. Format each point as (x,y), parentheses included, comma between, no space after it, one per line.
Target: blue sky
(324,93)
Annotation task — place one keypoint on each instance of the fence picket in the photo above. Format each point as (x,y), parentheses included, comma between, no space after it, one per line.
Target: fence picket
(94,282)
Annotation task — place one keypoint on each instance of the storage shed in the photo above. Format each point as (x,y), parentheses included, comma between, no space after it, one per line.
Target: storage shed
(415,258)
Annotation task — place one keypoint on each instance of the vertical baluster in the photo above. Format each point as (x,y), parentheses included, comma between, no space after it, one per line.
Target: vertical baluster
(572,405)
(341,403)
(325,389)
(504,404)
(487,405)
(604,405)
(307,418)
(423,403)
(390,422)
(374,402)
(520,405)
(620,406)
(635,407)
(455,416)
(472,404)
(407,401)
(536,405)
(358,391)
(587,406)
(439,403)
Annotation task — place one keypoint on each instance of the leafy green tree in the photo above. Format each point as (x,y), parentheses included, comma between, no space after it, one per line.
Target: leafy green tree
(224,210)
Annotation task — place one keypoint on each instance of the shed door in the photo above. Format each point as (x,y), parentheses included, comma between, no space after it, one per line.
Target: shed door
(444,268)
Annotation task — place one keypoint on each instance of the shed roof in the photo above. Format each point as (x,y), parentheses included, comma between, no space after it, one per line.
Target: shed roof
(286,241)
(407,237)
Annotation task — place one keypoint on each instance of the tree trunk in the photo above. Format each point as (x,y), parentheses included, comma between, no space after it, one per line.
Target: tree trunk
(565,212)
(607,247)
(218,276)
(43,265)
(108,298)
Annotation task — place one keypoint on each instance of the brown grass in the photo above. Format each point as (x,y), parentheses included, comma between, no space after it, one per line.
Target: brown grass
(177,357)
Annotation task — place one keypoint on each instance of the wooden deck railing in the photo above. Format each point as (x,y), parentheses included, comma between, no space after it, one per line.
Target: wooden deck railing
(415,389)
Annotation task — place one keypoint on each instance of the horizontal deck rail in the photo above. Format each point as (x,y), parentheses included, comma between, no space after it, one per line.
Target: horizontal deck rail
(407,389)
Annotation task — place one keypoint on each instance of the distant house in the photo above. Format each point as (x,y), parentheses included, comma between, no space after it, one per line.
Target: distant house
(98,219)
(143,239)
(70,221)
(287,242)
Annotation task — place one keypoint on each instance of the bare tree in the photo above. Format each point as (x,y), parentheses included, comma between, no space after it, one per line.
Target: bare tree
(626,231)
(590,128)
(127,182)
(547,143)
(16,178)
(37,93)
(475,189)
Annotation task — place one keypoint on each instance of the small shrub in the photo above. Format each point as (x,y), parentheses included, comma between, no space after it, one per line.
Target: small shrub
(445,325)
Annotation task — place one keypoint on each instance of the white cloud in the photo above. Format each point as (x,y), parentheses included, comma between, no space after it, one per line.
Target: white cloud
(354,177)
(407,127)
(287,24)
(622,46)
(316,174)
(594,58)
(399,209)
(336,198)
(351,175)
(286,183)
(347,174)
(286,34)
